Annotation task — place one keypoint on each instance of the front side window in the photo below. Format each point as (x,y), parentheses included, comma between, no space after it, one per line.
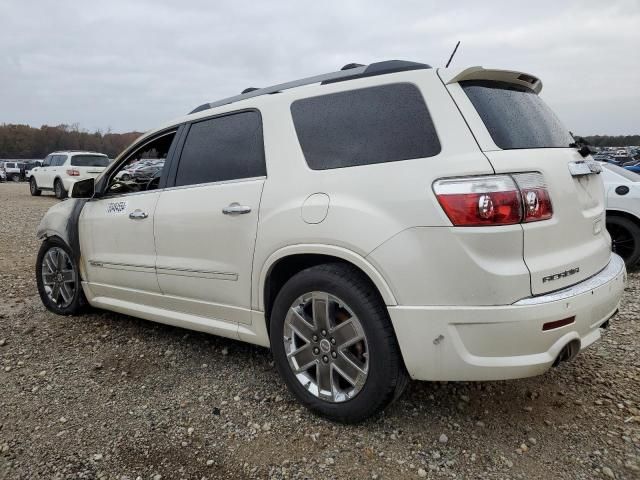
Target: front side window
(229,147)
(516,116)
(142,169)
(371,125)
(47,161)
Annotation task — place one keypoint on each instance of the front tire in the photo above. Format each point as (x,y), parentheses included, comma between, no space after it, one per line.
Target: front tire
(59,190)
(58,278)
(33,187)
(625,238)
(333,343)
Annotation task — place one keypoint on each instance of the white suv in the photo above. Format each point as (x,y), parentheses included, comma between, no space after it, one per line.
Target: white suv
(60,170)
(371,225)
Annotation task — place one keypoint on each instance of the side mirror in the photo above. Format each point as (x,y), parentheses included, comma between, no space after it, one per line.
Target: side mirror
(83,188)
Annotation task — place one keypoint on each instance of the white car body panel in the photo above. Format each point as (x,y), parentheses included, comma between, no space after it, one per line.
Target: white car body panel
(628,203)
(118,251)
(194,260)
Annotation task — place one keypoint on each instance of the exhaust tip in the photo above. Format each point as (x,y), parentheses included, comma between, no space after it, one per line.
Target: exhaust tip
(568,352)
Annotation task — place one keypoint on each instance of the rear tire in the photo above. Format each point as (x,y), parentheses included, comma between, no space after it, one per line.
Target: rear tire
(15,177)
(625,238)
(33,187)
(59,190)
(347,299)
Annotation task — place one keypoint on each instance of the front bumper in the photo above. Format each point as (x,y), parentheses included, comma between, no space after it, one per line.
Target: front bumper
(502,342)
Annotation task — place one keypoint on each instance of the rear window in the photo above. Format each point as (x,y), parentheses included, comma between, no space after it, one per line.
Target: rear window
(89,161)
(363,127)
(516,116)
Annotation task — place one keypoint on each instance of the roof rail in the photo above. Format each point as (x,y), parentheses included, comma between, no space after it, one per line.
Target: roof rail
(348,72)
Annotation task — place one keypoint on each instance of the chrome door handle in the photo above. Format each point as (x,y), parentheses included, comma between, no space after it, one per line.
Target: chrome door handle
(138,214)
(236,209)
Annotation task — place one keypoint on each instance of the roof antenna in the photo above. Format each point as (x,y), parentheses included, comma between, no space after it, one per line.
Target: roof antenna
(452,54)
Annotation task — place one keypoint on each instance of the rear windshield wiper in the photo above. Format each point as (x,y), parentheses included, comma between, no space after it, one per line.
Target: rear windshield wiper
(583,147)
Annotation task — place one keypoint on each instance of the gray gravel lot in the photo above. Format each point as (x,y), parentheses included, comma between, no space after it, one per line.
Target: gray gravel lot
(104,395)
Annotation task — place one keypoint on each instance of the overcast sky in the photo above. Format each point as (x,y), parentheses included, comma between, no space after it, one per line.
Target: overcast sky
(134,64)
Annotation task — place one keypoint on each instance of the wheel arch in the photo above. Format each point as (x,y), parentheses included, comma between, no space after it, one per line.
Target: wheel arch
(286,262)
(613,212)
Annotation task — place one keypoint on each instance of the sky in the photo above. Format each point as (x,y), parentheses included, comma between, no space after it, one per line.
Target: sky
(130,65)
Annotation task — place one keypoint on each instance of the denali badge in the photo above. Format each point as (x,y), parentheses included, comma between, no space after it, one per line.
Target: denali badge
(557,276)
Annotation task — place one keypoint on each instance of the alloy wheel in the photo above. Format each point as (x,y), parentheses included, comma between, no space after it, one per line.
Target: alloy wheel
(326,347)
(59,277)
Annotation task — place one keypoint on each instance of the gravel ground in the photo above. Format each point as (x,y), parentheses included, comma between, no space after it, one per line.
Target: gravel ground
(104,395)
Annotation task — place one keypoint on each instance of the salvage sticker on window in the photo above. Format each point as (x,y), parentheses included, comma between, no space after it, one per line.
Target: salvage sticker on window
(117,208)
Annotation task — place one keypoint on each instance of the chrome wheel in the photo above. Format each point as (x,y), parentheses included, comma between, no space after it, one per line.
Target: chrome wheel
(326,347)
(59,277)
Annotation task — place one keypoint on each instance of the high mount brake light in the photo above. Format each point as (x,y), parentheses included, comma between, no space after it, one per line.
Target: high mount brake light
(494,199)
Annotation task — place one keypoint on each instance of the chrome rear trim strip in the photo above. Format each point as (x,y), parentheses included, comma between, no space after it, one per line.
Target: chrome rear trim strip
(611,271)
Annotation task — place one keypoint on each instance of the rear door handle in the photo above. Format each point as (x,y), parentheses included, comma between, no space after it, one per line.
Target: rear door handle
(236,209)
(138,214)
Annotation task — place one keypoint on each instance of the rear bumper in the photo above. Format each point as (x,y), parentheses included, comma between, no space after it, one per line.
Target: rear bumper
(67,182)
(502,342)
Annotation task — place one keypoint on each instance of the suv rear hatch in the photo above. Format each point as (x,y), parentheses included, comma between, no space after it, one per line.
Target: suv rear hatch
(88,165)
(519,133)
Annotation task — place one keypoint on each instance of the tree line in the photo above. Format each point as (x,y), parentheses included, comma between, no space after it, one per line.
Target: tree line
(613,140)
(25,142)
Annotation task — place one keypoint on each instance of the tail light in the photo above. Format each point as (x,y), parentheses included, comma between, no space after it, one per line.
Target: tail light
(494,199)
(73,172)
(535,197)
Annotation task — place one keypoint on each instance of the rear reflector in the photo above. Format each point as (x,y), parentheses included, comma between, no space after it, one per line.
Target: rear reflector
(558,323)
(494,199)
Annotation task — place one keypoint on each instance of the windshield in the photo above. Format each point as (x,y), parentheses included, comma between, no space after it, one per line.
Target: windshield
(89,161)
(516,116)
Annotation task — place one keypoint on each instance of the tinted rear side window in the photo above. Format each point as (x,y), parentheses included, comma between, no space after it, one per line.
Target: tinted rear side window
(223,148)
(362,127)
(516,116)
(89,161)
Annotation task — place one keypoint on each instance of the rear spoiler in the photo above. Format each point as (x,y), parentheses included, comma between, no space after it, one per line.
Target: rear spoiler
(479,73)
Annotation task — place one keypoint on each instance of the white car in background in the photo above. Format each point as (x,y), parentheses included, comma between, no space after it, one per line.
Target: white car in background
(13,170)
(60,170)
(622,188)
